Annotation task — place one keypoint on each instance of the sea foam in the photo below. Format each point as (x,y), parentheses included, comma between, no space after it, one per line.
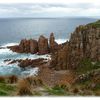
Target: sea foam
(60,41)
(14,69)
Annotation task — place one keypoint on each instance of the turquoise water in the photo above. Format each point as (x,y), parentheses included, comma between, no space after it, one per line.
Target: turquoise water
(14,69)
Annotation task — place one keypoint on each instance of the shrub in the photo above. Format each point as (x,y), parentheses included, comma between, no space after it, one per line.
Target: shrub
(95,24)
(34,81)
(6,89)
(24,88)
(12,79)
(29,80)
(56,90)
(2,79)
(87,65)
(75,90)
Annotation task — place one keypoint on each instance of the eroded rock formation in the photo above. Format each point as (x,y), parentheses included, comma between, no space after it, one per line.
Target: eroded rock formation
(42,46)
(28,62)
(33,46)
(84,43)
(53,43)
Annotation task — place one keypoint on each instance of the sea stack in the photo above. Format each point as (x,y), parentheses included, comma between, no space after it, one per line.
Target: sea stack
(53,43)
(43,47)
(33,46)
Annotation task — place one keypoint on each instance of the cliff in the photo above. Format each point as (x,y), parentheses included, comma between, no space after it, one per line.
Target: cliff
(84,43)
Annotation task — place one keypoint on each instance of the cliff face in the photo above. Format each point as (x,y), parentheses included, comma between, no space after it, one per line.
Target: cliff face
(84,43)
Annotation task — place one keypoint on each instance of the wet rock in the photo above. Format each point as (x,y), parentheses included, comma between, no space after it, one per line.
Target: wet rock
(15,48)
(31,63)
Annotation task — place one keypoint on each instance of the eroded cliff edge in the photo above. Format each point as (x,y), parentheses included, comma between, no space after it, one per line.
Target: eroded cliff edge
(84,43)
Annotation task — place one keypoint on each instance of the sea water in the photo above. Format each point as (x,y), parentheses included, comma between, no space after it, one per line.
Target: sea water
(12,30)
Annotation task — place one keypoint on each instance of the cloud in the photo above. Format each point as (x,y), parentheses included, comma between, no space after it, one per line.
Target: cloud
(38,9)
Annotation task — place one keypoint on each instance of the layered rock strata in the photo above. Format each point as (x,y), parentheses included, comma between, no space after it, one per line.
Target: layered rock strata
(84,43)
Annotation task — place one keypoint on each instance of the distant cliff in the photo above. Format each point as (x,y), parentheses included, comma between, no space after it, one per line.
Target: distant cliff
(83,43)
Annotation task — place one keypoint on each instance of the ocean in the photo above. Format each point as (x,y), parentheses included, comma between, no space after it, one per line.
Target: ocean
(15,29)
(12,30)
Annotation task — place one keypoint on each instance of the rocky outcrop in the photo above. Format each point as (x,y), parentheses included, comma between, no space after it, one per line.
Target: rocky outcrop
(32,63)
(33,46)
(28,62)
(25,46)
(84,43)
(53,43)
(43,47)
(59,58)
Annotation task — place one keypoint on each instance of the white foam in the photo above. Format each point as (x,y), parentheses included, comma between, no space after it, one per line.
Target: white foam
(11,69)
(14,69)
(30,72)
(5,51)
(9,44)
(8,54)
(60,41)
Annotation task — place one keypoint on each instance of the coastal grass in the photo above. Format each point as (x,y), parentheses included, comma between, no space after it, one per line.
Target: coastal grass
(87,65)
(86,88)
(95,24)
(56,90)
(23,88)
(6,89)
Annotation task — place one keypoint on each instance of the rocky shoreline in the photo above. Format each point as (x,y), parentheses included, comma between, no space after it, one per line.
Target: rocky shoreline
(72,65)
(41,47)
(83,43)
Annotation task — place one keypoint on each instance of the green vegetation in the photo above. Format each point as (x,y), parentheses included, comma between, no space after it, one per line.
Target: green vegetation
(56,90)
(87,65)
(95,24)
(6,89)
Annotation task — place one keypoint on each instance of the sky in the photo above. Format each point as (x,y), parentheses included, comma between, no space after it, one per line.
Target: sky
(50,8)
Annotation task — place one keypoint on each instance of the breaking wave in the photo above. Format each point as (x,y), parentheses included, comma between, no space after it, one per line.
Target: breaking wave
(14,69)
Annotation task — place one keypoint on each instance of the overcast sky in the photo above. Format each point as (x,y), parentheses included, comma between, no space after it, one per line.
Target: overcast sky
(49,8)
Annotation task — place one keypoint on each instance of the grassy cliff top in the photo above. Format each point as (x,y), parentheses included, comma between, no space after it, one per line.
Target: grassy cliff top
(95,24)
